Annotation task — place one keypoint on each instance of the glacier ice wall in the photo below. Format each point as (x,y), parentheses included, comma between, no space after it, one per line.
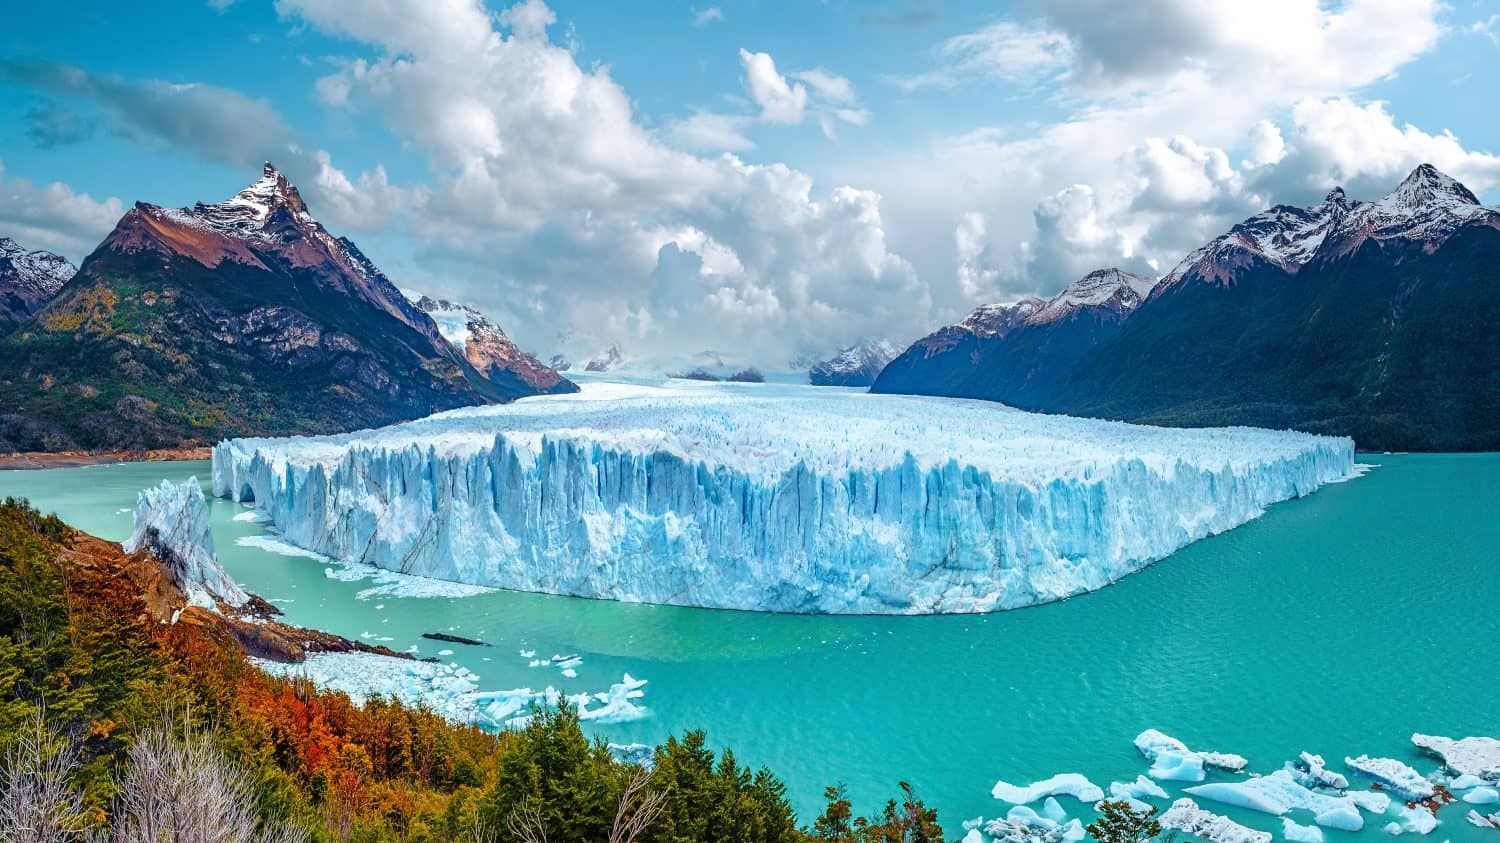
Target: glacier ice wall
(172,520)
(770,498)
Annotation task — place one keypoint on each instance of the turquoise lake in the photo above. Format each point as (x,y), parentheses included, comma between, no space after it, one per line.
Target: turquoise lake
(1339,624)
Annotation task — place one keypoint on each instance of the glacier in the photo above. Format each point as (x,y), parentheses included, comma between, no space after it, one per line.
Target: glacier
(770,497)
(172,521)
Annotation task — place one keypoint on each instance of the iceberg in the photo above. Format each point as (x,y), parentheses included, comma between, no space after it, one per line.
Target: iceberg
(1185,816)
(1064,784)
(1491,821)
(1141,788)
(1369,800)
(1400,778)
(172,521)
(1474,756)
(1417,820)
(1482,796)
(1171,760)
(1296,833)
(1310,771)
(771,498)
(1279,793)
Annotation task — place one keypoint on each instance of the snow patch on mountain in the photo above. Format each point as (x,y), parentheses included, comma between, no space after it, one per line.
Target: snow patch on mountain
(29,279)
(856,365)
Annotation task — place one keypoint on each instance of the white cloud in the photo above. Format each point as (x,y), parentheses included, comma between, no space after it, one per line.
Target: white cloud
(1004,50)
(707,16)
(779,101)
(976,278)
(553,202)
(710,131)
(53,217)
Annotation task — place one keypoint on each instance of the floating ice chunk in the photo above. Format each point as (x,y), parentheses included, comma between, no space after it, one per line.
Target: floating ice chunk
(1311,772)
(1482,796)
(1475,756)
(172,520)
(1065,784)
(633,753)
(528,654)
(973,836)
(1491,821)
(1185,816)
(1053,810)
(1401,779)
(1279,793)
(570,673)
(251,515)
(1139,789)
(794,501)
(1296,833)
(1171,760)
(1417,820)
(1369,800)
(1465,781)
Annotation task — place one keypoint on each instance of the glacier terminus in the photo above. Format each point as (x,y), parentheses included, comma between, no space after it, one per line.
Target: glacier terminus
(770,498)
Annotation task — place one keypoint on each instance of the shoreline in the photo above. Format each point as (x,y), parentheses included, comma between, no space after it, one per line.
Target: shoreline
(30,460)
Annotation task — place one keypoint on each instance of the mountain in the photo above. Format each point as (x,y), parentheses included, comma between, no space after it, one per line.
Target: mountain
(857,365)
(27,281)
(245,317)
(490,351)
(1011,352)
(1378,320)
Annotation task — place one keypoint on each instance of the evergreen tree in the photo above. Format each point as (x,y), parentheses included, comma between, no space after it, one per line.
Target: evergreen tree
(1120,823)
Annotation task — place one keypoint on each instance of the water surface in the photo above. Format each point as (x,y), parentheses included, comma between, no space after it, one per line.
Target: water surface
(1339,623)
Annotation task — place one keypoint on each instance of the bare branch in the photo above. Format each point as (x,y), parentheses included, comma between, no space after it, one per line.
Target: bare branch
(638,808)
(525,822)
(37,802)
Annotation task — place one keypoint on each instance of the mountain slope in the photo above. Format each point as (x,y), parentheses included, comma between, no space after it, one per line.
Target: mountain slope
(490,351)
(1013,353)
(241,318)
(1379,320)
(28,280)
(857,365)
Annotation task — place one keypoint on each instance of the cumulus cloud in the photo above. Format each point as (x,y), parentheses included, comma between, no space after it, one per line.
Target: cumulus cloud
(554,202)
(1162,98)
(54,217)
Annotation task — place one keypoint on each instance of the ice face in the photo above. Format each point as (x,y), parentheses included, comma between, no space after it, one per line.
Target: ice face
(172,520)
(770,498)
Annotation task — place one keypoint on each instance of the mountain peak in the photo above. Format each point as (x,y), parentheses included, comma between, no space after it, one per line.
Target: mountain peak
(1427,184)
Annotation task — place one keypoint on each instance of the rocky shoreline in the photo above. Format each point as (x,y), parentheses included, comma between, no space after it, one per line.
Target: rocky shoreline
(26,460)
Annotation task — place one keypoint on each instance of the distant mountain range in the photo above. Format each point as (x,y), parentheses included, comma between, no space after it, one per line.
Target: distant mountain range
(28,280)
(857,365)
(490,351)
(245,317)
(1379,320)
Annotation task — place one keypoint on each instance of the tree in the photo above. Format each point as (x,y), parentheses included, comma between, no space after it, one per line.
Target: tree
(836,825)
(38,803)
(1120,823)
(910,821)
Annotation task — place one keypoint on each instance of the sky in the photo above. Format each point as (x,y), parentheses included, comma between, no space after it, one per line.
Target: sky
(759,178)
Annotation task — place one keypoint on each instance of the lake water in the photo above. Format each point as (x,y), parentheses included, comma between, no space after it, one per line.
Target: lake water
(1339,624)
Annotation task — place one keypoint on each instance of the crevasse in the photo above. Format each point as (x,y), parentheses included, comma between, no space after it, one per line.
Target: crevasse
(774,499)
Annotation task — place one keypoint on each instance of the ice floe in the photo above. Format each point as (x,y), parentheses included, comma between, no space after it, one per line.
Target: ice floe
(797,501)
(1474,756)
(1185,816)
(1401,779)
(1063,784)
(1310,771)
(1279,793)
(1492,821)
(1482,796)
(1296,833)
(1171,760)
(1417,820)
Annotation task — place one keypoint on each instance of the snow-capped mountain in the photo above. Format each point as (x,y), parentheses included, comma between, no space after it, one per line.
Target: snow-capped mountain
(608,359)
(28,280)
(1006,340)
(259,319)
(488,349)
(857,365)
(1377,319)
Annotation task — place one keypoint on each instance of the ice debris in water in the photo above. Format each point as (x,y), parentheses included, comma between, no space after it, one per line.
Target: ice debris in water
(781,499)
(1400,778)
(1185,816)
(1297,833)
(1171,760)
(172,520)
(1065,784)
(1491,821)
(1310,771)
(1482,796)
(1417,820)
(1279,793)
(1024,825)
(1474,756)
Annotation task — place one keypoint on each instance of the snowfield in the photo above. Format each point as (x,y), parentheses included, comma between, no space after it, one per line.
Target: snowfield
(775,498)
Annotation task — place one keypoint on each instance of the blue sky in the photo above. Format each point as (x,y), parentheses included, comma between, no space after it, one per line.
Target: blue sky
(765,177)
